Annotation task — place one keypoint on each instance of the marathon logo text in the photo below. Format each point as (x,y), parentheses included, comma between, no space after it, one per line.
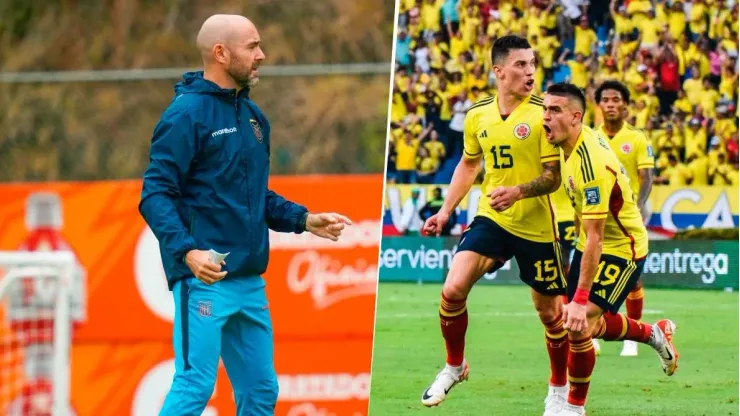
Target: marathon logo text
(223,131)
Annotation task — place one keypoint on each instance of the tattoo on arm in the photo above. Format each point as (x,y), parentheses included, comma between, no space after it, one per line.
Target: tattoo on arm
(547,182)
(646,183)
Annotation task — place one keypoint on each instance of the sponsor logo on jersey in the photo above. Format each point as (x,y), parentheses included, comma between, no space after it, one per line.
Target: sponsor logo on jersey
(650,150)
(626,148)
(522,131)
(571,184)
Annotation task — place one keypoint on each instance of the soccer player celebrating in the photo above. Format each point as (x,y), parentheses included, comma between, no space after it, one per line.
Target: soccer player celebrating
(206,188)
(610,250)
(635,153)
(506,131)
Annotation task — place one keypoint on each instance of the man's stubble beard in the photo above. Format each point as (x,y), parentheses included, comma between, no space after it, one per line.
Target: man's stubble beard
(244,81)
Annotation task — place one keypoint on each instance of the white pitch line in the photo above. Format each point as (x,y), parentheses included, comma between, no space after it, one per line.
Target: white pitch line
(427,315)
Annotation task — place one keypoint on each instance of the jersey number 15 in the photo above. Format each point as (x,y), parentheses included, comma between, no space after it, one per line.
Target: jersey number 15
(501,157)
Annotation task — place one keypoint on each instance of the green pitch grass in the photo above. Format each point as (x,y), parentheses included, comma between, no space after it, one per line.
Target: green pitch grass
(509,365)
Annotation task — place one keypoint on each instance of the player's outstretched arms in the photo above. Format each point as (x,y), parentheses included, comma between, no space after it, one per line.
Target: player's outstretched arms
(462,180)
(504,197)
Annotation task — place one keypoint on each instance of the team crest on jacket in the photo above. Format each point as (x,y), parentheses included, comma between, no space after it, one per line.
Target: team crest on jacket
(626,148)
(571,184)
(257,129)
(522,131)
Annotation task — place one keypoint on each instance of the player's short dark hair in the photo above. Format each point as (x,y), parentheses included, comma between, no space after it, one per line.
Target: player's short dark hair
(504,44)
(613,85)
(564,89)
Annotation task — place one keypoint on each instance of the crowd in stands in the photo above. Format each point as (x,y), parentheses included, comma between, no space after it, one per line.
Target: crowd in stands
(679,60)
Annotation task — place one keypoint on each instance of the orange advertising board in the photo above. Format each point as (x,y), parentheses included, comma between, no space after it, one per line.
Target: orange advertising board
(322,297)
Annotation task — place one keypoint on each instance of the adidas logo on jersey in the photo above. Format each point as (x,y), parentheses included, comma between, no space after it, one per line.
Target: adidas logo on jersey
(483,135)
(552,286)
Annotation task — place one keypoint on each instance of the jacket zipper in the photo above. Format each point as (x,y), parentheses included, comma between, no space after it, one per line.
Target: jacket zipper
(246,179)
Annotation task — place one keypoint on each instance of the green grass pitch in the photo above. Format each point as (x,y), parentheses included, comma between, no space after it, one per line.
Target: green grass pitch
(509,366)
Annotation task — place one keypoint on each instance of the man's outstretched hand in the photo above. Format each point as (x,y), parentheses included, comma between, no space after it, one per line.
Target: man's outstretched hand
(327,225)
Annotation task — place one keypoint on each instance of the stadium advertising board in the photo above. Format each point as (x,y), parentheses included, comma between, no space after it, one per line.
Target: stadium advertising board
(321,294)
(676,264)
(673,208)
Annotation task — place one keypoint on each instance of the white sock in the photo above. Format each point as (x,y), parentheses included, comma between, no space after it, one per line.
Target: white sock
(456,370)
(560,390)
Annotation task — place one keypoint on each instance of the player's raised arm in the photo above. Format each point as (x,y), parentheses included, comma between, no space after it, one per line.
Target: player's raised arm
(549,180)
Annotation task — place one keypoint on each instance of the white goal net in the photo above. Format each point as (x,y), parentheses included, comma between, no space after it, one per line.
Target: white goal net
(36,315)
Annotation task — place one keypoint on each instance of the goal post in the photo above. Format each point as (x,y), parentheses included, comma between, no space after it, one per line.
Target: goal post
(35,303)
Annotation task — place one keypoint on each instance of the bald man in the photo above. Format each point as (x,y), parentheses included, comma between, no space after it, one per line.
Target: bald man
(206,189)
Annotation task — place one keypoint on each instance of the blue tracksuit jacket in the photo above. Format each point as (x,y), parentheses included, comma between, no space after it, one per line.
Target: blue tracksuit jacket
(206,184)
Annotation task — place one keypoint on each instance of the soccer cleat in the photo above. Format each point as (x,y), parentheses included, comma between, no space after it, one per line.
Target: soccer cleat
(661,340)
(597,346)
(629,349)
(437,392)
(572,410)
(555,400)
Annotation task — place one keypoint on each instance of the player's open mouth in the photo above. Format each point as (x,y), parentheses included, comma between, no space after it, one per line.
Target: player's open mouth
(530,83)
(548,130)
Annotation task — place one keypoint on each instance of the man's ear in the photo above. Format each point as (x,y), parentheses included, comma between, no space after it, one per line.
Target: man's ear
(497,71)
(577,118)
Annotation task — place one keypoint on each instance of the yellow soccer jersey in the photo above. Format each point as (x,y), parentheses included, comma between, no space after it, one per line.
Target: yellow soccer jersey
(598,187)
(633,150)
(562,205)
(513,150)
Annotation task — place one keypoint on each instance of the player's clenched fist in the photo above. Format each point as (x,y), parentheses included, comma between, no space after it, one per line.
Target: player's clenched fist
(503,197)
(436,223)
(199,263)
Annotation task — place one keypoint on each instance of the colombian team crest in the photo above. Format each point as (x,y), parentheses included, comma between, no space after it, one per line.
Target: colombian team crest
(522,131)
(257,129)
(626,148)
(204,308)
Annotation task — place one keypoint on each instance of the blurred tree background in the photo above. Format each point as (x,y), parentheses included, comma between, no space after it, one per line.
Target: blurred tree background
(102,130)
